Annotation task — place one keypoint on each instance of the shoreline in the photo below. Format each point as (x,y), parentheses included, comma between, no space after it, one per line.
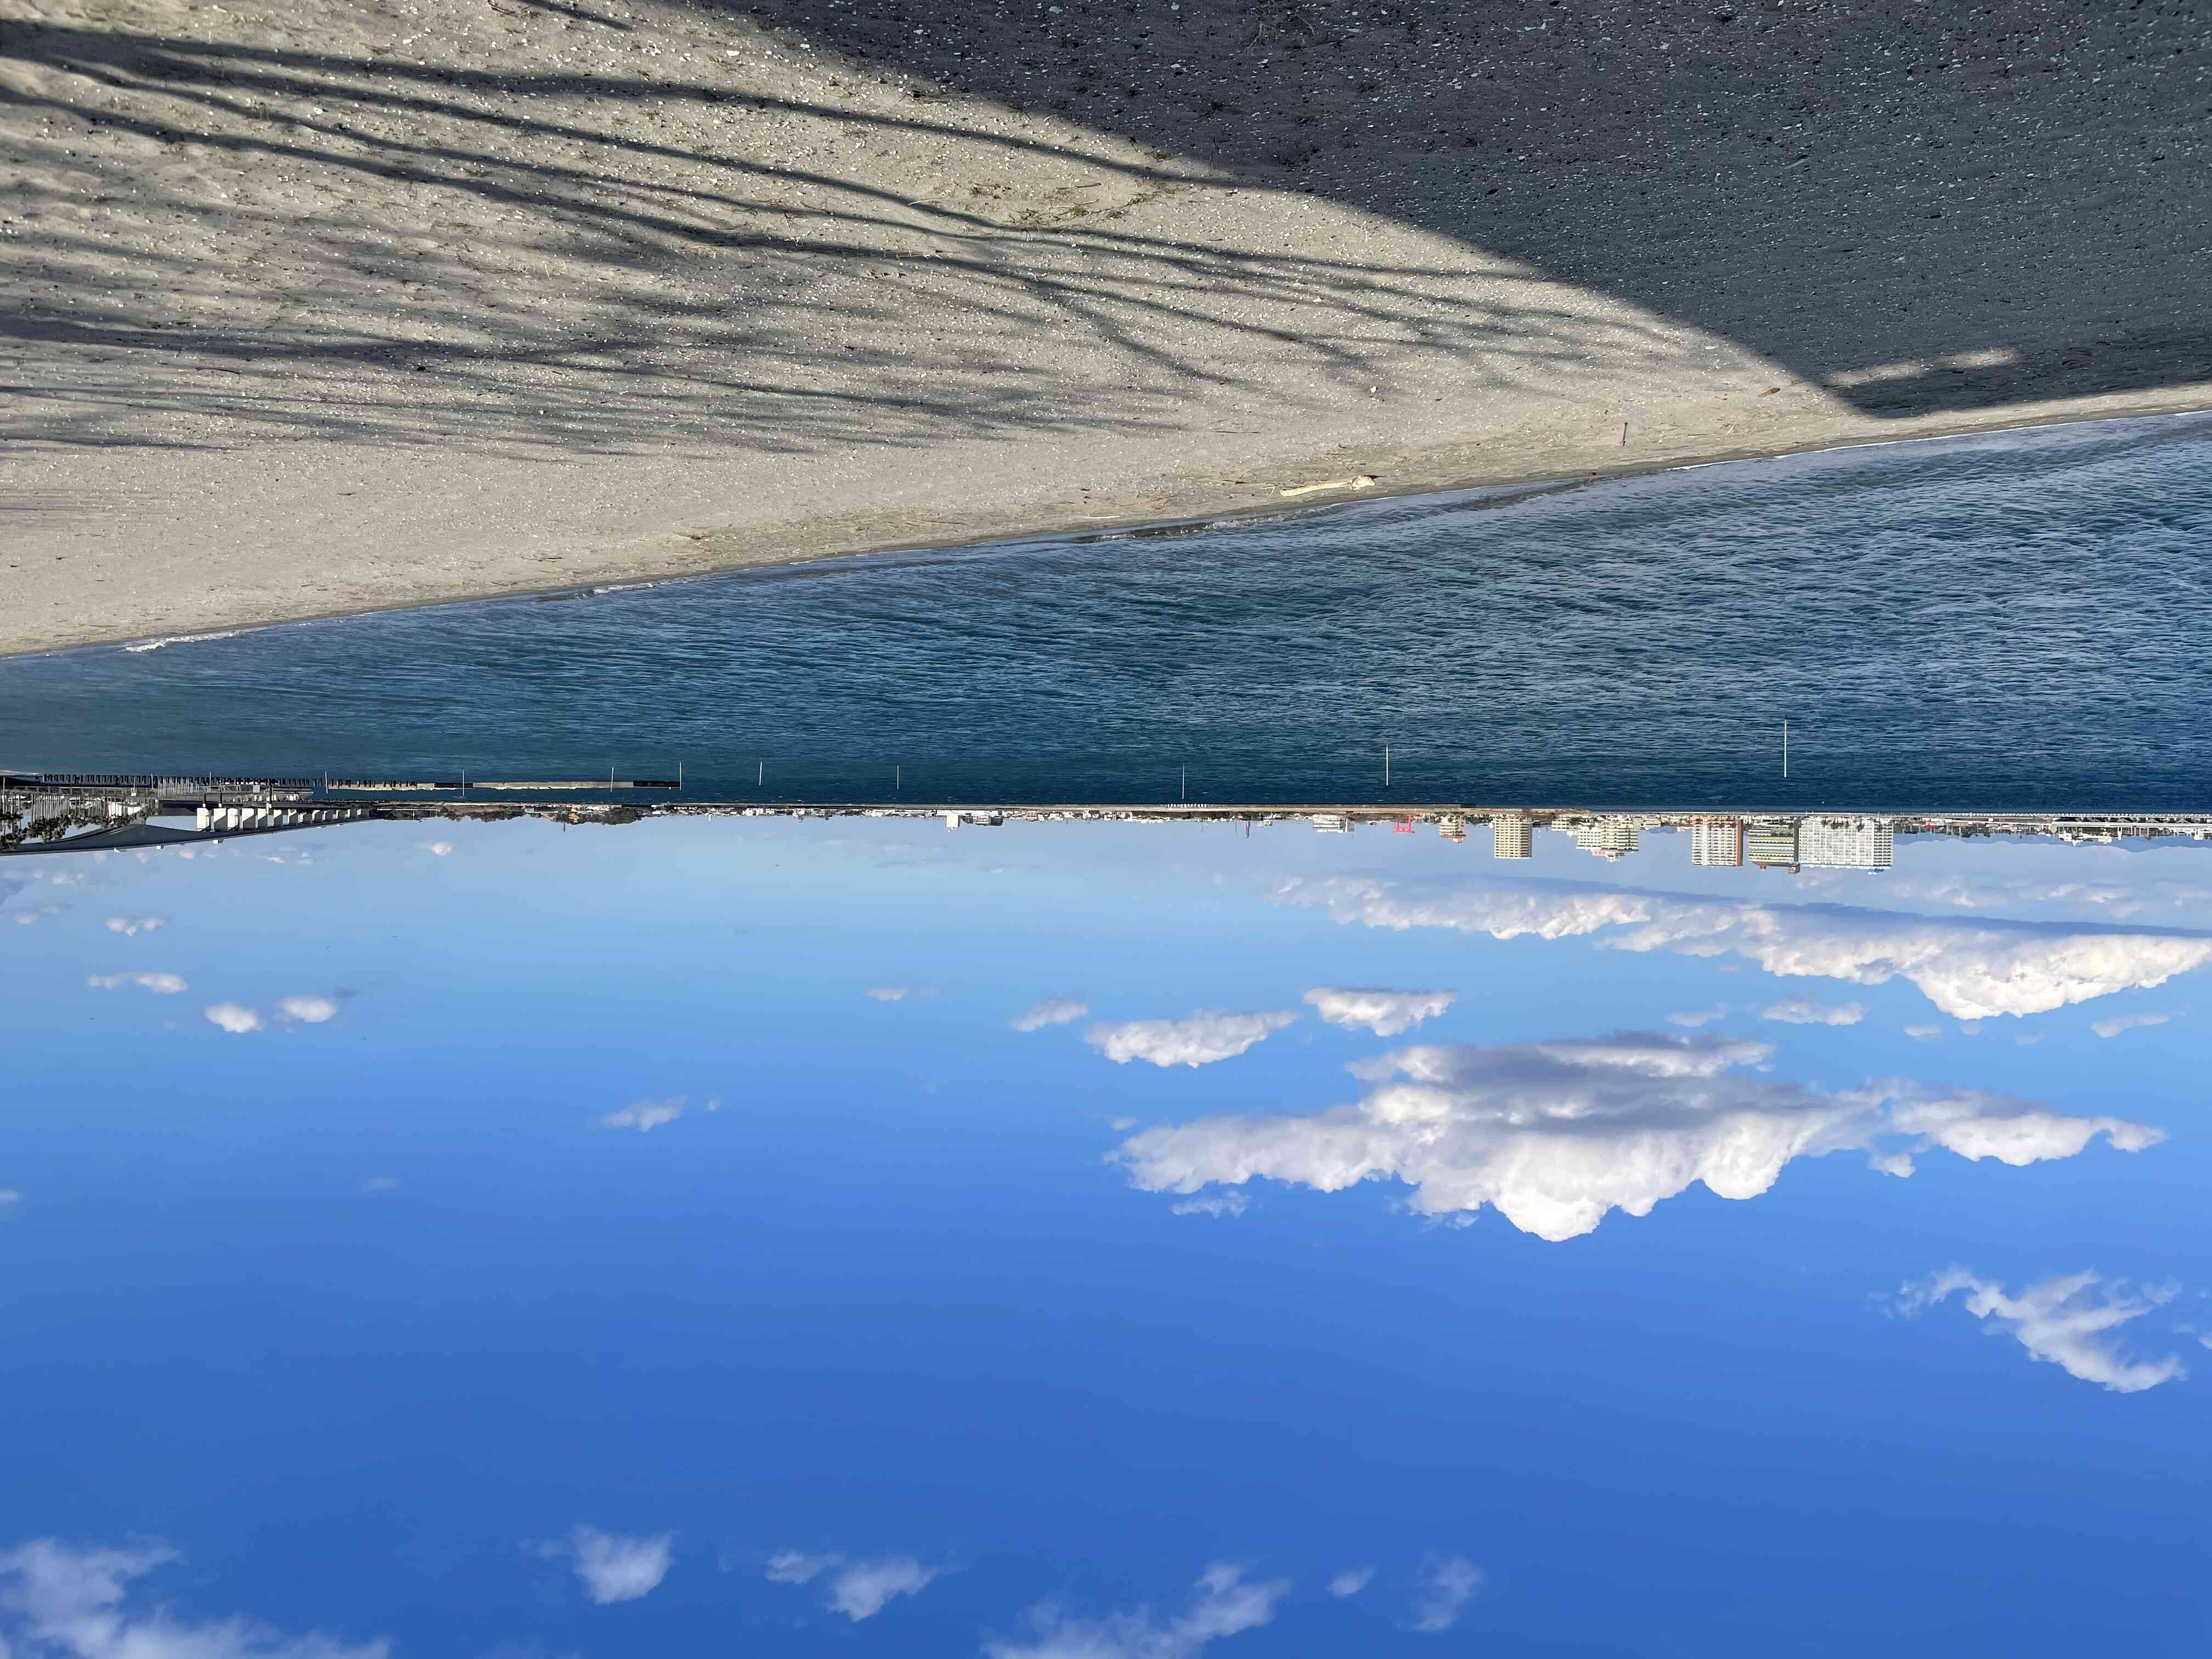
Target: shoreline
(1205,505)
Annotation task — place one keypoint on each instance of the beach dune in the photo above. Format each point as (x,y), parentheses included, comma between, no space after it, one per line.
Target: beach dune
(323,306)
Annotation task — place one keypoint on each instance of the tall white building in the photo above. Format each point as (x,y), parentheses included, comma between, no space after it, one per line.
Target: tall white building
(1716,841)
(1844,844)
(1771,846)
(1511,837)
(1608,838)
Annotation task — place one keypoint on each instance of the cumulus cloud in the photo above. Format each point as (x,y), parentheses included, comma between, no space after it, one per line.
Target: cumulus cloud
(1923,1033)
(1351,1581)
(1386,1013)
(1203,1038)
(2068,1321)
(1052,1010)
(1970,970)
(1447,1586)
(1693,1018)
(1221,1604)
(70,1603)
(2112,1028)
(645,1114)
(1554,1135)
(857,1589)
(1219,1204)
(306,1010)
(901,993)
(611,1568)
(131,926)
(1803,1011)
(437,848)
(161,985)
(233,1017)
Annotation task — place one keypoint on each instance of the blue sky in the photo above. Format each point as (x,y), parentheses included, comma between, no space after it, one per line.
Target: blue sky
(795,1236)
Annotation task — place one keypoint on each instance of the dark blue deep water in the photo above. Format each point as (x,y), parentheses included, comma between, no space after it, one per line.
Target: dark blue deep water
(2017,621)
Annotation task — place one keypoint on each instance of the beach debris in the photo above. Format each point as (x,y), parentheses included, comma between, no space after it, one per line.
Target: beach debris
(1358,481)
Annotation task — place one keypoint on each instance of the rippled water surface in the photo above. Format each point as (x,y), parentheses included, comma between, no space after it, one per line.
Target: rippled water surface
(2011,621)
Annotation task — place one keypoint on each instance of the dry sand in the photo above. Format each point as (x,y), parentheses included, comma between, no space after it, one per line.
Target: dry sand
(316,307)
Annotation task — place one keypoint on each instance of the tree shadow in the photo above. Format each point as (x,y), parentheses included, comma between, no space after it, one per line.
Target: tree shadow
(403,241)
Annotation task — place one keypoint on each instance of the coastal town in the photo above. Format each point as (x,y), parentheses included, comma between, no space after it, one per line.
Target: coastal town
(57,812)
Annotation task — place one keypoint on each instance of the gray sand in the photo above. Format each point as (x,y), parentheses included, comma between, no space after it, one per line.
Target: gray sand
(320,306)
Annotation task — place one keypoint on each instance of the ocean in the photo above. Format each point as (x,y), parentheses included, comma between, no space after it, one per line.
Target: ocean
(2004,622)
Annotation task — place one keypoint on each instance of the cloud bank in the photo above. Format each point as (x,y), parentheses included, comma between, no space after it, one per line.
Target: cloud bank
(1204,1037)
(1221,1604)
(611,1568)
(1554,1135)
(1971,971)
(2067,1322)
(68,1602)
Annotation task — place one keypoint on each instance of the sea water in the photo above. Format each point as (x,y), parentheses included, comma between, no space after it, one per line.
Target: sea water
(2011,621)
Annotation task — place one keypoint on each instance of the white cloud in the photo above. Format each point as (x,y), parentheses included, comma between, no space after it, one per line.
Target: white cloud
(1220,1204)
(858,1589)
(1052,1010)
(1386,1013)
(438,848)
(131,926)
(1203,1038)
(792,1567)
(1803,1011)
(9,1195)
(1693,1018)
(306,1010)
(1923,1033)
(2112,1028)
(1351,1581)
(861,1589)
(161,985)
(1221,1604)
(233,1017)
(1554,1135)
(1446,1586)
(1969,971)
(645,1114)
(2066,1321)
(60,1602)
(611,1568)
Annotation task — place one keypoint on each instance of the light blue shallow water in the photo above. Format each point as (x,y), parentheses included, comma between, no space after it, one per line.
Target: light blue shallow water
(2015,620)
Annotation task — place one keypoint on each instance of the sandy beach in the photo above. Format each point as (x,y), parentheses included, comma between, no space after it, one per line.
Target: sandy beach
(322,307)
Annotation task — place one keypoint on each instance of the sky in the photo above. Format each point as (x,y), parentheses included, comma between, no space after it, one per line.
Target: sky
(1098,1242)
